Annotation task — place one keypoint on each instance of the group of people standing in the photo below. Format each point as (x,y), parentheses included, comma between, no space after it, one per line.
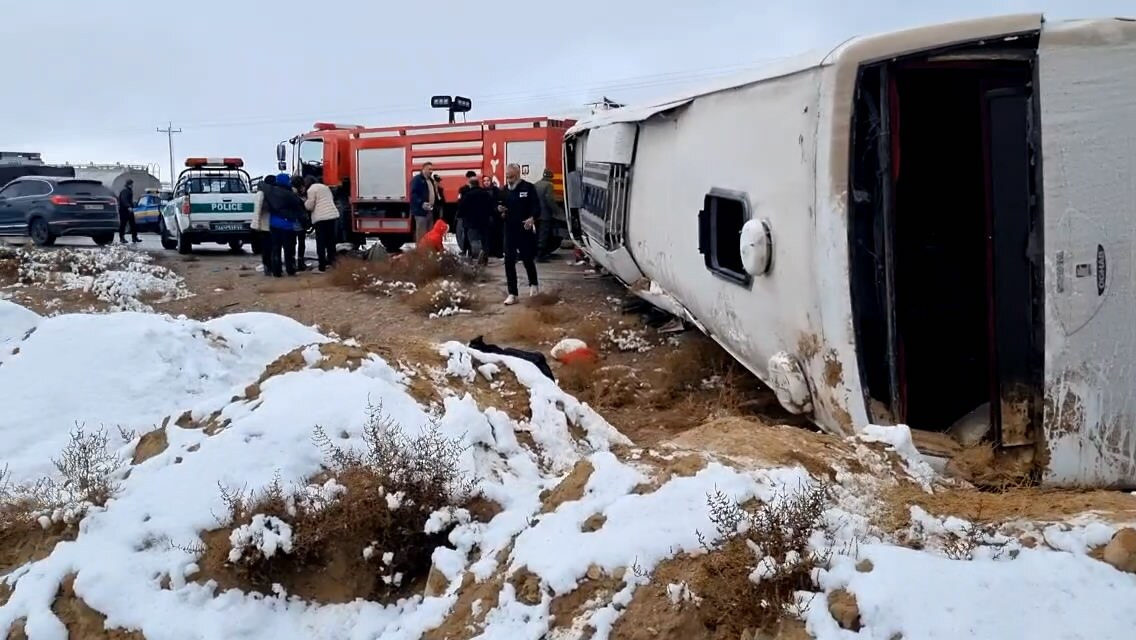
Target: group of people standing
(287,209)
(524,218)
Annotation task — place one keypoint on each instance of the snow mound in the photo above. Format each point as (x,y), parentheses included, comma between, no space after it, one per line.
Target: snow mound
(572,515)
(126,370)
(16,322)
(121,278)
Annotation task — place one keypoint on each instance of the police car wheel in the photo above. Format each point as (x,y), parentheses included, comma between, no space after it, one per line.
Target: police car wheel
(168,243)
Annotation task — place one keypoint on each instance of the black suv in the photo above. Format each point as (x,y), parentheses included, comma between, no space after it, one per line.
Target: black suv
(46,208)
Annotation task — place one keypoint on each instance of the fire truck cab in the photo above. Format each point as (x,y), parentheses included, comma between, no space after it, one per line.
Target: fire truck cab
(369,169)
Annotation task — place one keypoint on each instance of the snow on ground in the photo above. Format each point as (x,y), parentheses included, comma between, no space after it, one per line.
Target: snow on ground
(122,279)
(134,370)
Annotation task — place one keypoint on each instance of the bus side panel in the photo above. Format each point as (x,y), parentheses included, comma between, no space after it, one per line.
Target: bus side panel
(1087,88)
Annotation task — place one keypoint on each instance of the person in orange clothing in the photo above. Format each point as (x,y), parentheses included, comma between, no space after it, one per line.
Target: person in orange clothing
(432,241)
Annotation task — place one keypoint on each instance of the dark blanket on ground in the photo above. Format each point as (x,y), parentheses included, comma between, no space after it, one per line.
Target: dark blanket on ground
(534,357)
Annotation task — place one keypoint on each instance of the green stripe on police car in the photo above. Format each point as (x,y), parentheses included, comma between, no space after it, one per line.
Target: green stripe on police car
(221,207)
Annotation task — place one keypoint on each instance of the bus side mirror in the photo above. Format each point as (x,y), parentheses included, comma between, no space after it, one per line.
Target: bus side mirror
(281,153)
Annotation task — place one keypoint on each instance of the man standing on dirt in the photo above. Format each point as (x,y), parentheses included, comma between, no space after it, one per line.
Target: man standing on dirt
(475,215)
(284,212)
(461,224)
(494,241)
(301,226)
(548,209)
(126,213)
(519,208)
(423,195)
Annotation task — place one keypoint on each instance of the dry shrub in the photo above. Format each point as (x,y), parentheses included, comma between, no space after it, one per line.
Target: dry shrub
(415,267)
(9,263)
(528,326)
(695,361)
(398,501)
(578,377)
(442,298)
(353,273)
(544,299)
(599,385)
(751,580)
(33,517)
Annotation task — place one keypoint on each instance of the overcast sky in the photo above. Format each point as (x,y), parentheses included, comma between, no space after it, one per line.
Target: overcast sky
(93,81)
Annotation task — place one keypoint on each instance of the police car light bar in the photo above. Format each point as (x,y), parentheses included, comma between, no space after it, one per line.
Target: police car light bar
(231,163)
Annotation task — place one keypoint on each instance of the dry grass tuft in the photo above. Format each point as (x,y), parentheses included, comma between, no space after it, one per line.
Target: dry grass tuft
(776,545)
(695,361)
(544,299)
(544,319)
(607,386)
(415,268)
(9,263)
(442,298)
(373,526)
(529,327)
(35,516)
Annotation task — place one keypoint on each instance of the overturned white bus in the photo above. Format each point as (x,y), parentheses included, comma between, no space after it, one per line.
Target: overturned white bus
(913,227)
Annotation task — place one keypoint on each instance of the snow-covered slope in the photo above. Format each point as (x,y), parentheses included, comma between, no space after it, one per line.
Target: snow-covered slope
(236,400)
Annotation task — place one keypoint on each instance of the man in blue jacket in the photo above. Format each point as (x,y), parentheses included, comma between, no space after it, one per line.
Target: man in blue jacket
(284,212)
(423,196)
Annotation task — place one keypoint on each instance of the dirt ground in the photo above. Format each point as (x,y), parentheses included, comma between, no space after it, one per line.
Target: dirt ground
(665,371)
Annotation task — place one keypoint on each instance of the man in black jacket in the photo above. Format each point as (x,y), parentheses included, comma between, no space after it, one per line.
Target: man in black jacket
(475,213)
(460,227)
(494,244)
(519,207)
(126,213)
(302,225)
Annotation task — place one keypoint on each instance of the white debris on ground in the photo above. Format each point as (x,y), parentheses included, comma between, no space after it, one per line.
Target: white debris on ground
(628,339)
(123,279)
(73,368)
(393,287)
(449,298)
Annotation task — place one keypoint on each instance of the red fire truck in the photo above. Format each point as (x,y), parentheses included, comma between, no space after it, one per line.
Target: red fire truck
(369,169)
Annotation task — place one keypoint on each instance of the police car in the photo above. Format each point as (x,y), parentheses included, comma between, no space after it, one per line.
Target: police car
(148,209)
(212,203)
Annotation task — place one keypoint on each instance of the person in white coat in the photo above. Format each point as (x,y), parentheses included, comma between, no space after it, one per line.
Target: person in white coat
(260,224)
(325,214)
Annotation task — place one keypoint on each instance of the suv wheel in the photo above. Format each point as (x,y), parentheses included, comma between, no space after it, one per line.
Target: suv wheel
(41,233)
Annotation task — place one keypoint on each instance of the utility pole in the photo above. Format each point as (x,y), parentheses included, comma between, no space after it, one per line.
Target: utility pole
(170,131)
